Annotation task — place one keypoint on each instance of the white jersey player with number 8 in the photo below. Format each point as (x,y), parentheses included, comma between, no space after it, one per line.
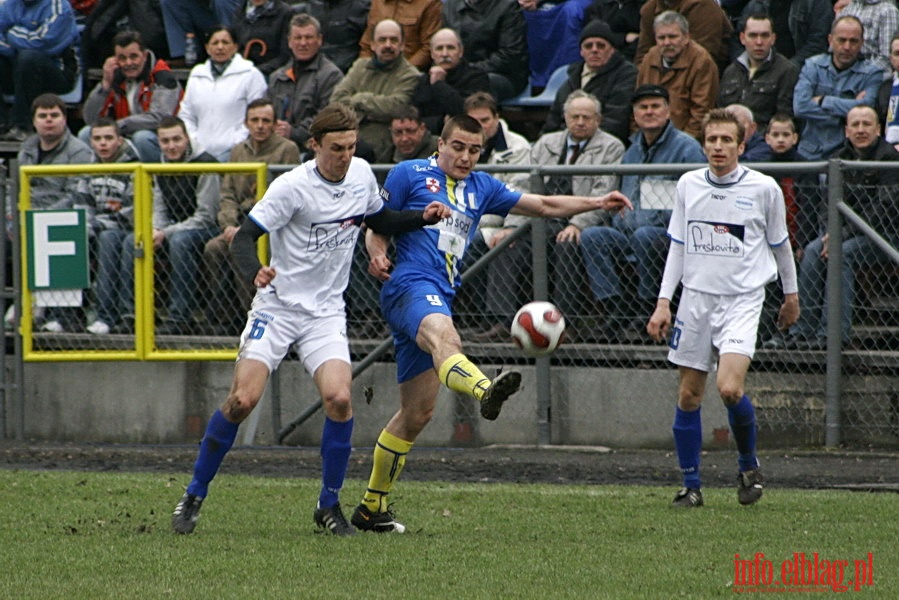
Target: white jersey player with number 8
(728,240)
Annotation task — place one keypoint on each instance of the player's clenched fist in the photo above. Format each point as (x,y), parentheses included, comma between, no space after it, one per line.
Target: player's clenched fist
(660,321)
(264,276)
(436,211)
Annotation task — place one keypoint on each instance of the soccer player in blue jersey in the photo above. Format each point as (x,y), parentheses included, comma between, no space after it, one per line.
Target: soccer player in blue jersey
(729,239)
(312,215)
(417,295)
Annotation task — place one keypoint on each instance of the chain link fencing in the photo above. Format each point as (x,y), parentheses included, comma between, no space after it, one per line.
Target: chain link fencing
(833,380)
(129,262)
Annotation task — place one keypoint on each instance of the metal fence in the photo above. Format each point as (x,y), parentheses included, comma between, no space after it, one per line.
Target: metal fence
(834,380)
(154,284)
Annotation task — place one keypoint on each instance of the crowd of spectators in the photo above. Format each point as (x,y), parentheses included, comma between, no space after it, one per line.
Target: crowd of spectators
(640,75)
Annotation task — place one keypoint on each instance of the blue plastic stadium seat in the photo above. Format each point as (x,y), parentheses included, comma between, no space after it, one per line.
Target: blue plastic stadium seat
(544,98)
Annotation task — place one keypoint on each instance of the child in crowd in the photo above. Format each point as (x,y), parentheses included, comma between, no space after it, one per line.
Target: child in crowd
(782,138)
(109,201)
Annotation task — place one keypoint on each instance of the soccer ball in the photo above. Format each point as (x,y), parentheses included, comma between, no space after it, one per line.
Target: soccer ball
(538,328)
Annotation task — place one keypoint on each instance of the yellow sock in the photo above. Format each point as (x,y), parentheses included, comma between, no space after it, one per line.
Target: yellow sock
(461,375)
(389,459)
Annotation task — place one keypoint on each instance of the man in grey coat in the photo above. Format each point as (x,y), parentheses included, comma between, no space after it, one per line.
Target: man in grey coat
(582,143)
(52,144)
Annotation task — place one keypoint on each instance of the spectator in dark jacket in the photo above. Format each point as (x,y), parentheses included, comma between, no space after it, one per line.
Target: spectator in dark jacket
(303,86)
(760,78)
(410,135)
(441,92)
(261,28)
(801,25)
(495,38)
(623,17)
(604,73)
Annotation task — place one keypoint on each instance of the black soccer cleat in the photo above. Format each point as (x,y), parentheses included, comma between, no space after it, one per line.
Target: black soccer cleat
(503,386)
(750,488)
(184,519)
(382,522)
(332,519)
(688,498)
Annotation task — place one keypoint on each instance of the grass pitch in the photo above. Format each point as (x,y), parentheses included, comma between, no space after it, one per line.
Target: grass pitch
(107,535)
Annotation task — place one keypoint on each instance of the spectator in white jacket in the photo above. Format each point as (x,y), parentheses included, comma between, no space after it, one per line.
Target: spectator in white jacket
(217,94)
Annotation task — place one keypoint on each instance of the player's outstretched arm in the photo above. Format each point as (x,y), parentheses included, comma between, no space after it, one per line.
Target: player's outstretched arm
(392,222)
(536,205)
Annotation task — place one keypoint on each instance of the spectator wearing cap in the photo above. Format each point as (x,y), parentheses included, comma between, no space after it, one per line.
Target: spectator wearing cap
(682,67)
(638,237)
(603,72)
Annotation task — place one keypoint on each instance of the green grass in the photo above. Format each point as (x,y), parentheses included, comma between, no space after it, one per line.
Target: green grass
(106,535)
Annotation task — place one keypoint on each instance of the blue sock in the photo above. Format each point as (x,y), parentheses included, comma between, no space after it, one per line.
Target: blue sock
(742,423)
(220,434)
(335,453)
(687,430)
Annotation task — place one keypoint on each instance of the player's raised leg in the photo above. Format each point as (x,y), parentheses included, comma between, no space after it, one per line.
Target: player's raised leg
(333,380)
(687,430)
(438,336)
(250,377)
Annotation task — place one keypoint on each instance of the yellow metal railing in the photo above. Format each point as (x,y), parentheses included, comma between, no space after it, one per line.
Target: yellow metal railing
(144,345)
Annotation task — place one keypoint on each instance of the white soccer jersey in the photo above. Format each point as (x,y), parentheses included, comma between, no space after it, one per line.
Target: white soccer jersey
(728,226)
(313,226)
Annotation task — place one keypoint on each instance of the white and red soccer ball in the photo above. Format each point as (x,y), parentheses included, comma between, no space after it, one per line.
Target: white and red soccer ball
(538,328)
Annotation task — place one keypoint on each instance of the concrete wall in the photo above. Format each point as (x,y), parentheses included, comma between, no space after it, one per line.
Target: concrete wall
(169,402)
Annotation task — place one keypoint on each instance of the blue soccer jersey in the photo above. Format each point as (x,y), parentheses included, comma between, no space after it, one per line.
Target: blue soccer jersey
(436,251)
(427,260)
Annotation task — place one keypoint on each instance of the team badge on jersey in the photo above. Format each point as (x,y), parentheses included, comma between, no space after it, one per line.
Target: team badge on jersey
(432,184)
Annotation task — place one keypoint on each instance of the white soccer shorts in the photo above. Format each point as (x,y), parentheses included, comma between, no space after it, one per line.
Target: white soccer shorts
(273,328)
(706,322)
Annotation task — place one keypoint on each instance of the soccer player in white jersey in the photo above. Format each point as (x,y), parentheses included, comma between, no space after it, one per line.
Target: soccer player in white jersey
(729,239)
(312,215)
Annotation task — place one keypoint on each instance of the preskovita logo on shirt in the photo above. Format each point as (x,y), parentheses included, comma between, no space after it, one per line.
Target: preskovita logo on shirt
(715,239)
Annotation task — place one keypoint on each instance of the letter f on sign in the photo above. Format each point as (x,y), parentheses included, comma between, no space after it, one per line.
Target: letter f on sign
(43,249)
